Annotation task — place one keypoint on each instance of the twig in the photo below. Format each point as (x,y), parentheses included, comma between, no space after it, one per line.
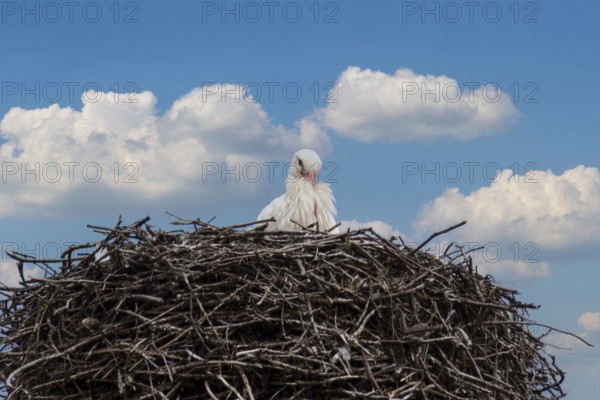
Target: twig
(433,235)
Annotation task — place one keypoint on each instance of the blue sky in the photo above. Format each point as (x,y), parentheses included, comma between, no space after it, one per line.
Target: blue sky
(390,70)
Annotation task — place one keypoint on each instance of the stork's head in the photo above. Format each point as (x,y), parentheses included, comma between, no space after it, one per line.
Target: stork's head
(305,165)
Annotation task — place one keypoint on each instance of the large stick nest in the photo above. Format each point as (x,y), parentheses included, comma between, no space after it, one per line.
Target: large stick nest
(230,313)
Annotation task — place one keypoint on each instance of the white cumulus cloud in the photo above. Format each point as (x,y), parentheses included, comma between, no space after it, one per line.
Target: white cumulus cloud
(546,210)
(119,151)
(371,105)
(590,321)
(522,221)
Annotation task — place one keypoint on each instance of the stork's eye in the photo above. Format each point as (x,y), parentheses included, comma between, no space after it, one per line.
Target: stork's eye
(301,163)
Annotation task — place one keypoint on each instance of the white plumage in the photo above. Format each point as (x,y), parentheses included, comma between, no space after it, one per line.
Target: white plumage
(305,201)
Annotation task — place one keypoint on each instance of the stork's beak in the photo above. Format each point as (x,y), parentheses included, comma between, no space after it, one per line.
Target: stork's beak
(311,177)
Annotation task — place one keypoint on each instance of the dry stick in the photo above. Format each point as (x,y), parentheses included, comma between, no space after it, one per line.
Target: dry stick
(333,227)
(246,382)
(210,392)
(533,323)
(436,234)
(25,258)
(370,373)
(49,358)
(237,394)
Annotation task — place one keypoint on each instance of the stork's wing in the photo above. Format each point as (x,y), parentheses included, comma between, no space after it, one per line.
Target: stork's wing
(275,210)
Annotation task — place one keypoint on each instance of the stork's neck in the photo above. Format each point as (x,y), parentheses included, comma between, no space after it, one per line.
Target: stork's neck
(303,179)
(303,189)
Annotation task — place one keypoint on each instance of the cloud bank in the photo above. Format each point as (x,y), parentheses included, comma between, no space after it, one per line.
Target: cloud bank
(554,211)
(114,151)
(208,148)
(522,220)
(371,105)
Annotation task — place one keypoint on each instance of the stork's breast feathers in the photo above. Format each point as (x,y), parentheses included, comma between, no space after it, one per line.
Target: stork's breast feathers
(304,204)
(310,204)
(325,206)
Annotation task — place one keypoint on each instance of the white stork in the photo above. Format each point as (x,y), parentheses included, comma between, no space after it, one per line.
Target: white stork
(305,201)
